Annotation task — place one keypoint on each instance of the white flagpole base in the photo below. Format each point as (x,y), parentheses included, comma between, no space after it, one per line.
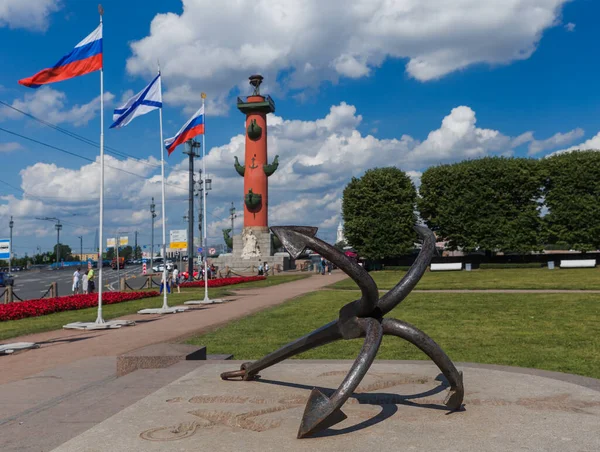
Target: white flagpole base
(9,349)
(88,326)
(205,301)
(173,310)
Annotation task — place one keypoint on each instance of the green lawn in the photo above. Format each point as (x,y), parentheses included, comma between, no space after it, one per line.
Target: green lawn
(514,278)
(55,321)
(547,331)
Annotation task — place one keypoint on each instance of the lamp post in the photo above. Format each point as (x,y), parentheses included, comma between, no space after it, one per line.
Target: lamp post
(153,214)
(11,223)
(80,237)
(192,145)
(232,216)
(58,227)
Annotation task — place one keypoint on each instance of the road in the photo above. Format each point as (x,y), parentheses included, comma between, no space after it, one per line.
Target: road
(34,283)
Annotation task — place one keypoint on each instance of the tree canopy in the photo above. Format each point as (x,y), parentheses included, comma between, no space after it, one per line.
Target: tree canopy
(490,204)
(572,196)
(379,213)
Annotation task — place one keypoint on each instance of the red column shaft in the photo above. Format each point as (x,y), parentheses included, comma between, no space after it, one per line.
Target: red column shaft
(254,176)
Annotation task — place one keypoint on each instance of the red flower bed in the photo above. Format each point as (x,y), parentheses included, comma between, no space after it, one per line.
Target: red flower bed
(223,281)
(35,308)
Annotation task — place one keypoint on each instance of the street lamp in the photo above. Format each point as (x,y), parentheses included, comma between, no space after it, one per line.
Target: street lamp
(80,249)
(153,214)
(58,227)
(202,184)
(11,223)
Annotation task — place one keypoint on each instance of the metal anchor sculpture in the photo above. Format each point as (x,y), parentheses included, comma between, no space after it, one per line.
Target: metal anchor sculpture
(360,318)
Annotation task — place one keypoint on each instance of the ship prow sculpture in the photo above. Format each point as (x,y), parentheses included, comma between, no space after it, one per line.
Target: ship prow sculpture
(361,318)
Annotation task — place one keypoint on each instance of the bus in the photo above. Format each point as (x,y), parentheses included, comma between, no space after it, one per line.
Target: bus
(121,263)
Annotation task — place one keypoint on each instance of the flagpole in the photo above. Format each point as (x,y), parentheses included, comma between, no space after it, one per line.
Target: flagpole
(164,225)
(204,235)
(99,319)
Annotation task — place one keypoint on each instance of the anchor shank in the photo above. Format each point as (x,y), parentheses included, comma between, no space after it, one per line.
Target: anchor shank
(321,411)
(391,299)
(321,336)
(373,337)
(361,277)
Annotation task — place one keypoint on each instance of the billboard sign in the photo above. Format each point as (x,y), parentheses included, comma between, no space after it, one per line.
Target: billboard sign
(178,239)
(123,241)
(111,243)
(4,248)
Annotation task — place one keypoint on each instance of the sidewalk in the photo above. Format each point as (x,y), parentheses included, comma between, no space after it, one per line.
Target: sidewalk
(63,347)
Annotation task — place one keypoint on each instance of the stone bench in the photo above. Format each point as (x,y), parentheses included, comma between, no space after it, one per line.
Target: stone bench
(446,266)
(578,263)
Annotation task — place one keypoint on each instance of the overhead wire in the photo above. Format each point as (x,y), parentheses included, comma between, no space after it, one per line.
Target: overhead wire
(41,143)
(83,139)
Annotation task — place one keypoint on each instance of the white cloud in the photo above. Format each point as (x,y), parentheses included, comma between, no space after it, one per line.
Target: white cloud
(525,137)
(28,14)
(458,138)
(9,147)
(317,159)
(591,144)
(556,140)
(303,44)
(570,26)
(50,104)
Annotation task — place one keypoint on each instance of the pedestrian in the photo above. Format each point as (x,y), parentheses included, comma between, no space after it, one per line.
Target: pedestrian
(91,283)
(76,277)
(84,283)
(162,283)
(329,265)
(176,279)
(266,269)
(322,266)
(260,269)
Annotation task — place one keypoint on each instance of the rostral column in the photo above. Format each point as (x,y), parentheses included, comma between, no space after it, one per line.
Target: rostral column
(256,170)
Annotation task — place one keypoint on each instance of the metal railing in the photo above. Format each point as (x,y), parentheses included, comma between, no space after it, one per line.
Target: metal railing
(244,100)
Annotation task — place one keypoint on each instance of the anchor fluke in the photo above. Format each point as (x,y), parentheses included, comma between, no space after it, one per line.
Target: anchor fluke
(294,238)
(319,414)
(455,396)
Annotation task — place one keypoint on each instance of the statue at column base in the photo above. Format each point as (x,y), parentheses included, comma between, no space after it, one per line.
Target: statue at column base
(251,249)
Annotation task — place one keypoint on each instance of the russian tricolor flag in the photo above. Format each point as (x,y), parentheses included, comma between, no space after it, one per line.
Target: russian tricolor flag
(195,126)
(86,57)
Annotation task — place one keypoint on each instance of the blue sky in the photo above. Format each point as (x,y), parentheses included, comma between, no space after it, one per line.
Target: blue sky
(355,87)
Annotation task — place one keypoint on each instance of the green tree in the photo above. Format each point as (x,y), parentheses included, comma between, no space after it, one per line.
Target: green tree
(126,252)
(491,204)
(379,213)
(65,253)
(572,195)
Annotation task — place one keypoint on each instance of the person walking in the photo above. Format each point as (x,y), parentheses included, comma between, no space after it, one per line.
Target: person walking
(260,269)
(176,279)
(91,282)
(266,268)
(322,266)
(84,283)
(76,278)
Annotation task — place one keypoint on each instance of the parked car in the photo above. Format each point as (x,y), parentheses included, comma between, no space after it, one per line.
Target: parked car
(6,279)
(159,268)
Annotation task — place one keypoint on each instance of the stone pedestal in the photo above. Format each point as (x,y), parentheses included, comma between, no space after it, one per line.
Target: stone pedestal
(398,406)
(250,249)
